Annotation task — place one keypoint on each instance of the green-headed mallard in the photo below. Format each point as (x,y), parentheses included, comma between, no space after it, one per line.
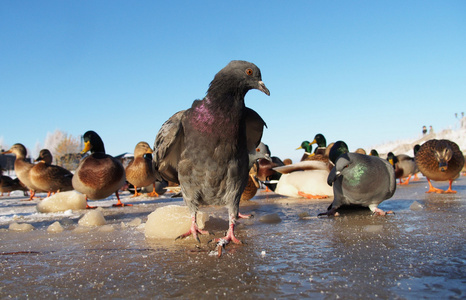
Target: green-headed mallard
(48,177)
(440,160)
(321,142)
(306,145)
(141,172)
(23,167)
(404,165)
(98,175)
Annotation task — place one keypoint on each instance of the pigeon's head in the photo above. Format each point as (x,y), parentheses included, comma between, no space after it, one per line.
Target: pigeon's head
(239,77)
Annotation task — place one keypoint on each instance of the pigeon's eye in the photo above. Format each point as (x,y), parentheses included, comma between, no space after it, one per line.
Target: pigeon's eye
(249,72)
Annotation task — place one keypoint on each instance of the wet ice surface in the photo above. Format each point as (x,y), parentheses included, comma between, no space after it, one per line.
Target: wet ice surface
(417,253)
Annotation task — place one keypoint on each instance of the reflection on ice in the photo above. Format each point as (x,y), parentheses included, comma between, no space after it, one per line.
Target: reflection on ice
(416,253)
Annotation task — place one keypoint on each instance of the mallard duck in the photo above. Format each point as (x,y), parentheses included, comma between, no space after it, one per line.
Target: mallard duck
(338,148)
(306,145)
(98,175)
(303,179)
(306,179)
(404,165)
(8,184)
(374,153)
(48,177)
(22,167)
(262,151)
(440,160)
(141,172)
(321,142)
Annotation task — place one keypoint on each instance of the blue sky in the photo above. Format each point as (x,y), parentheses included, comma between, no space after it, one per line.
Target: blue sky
(366,72)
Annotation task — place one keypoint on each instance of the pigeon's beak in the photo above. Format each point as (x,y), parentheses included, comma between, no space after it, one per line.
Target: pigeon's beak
(261,87)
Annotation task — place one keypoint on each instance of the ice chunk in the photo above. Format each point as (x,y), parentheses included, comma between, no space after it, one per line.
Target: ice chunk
(134,223)
(55,227)
(62,201)
(270,219)
(106,228)
(92,218)
(20,227)
(416,206)
(171,221)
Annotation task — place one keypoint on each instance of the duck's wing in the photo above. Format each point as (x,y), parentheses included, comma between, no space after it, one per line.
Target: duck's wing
(254,128)
(302,166)
(168,147)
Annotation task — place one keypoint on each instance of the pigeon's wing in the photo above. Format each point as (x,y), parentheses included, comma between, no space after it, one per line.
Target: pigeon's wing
(254,128)
(167,148)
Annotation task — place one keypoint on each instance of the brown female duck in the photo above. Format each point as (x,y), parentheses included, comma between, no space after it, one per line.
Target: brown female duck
(98,175)
(23,167)
(440,160)
(141,172)
(48,177)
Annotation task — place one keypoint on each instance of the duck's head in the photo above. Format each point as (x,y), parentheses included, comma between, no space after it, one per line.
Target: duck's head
(45,156)
(416,149)
(337,149)
(443,153)
(18,150)
(374,153)
(93,143)
(320,140)
(306,145)
(391,158)
(142,148)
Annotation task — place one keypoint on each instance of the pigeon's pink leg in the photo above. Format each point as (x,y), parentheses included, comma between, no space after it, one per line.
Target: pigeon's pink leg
(194,230)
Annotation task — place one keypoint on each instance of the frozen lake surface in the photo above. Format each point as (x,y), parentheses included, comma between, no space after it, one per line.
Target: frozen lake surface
(417,253)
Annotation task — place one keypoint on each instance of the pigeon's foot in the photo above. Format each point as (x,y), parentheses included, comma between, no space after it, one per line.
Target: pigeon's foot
(310,196)
(194,230)
(379,212)
(230,237)
(330,213)
(241,216)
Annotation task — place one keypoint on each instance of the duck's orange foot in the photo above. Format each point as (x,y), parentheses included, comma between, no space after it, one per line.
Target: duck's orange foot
(435,190)
(121,204)
(449,191)
(153,194)
(90,207)
(309,196)
(136,194)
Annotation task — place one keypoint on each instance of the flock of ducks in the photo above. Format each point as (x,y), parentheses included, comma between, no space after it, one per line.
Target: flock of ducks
(99,175)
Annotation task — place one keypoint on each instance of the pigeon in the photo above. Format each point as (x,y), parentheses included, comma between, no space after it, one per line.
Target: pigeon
(362,180)
(205,148)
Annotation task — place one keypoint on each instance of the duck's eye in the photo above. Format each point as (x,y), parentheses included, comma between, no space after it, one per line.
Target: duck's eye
(249,72)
